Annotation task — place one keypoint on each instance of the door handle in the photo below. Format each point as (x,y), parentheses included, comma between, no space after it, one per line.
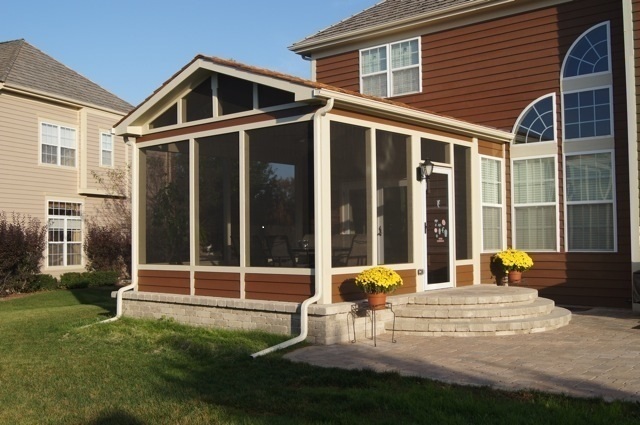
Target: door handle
(379,230)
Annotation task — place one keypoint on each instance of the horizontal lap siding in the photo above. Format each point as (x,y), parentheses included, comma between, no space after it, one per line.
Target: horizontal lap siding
(343,287)
(225,285)
(293,288)
(163,281)
(464,275)
(600,279)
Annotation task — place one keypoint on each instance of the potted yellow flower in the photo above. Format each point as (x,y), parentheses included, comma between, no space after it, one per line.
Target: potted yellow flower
(377,282)
(513,262)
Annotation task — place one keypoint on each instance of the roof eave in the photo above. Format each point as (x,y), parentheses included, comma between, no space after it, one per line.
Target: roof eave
(414,116)
(56,98)
(304,47)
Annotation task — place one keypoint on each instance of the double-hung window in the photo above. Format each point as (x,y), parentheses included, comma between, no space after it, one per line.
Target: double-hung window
(391,69)
(57,145)
(106,149)
(491,171)
(534,193)
(64,234)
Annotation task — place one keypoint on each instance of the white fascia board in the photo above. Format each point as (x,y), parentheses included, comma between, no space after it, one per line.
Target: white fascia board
(129,122)
(422,118)
(395,26)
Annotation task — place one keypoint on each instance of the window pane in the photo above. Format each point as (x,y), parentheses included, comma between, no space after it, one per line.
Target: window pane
(404,54)
(198,103)
(165,176)
(375,85)
(536,227)
(68,157)
(534,181)
(393,211)
(405,81)
(374,60)
(280,195)
(589,177)
(587,114)
(538,123)
(435,151)
(591,227)
(350,238)
(219,201)
(590,53)
(168,117)
(234,95)
(491,181)
(491,228)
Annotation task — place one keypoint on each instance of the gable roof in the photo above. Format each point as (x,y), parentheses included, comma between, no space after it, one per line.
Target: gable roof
(23,66)
(306,91)
(387,13)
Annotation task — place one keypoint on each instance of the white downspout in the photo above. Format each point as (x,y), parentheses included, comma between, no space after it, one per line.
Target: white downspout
(319,254)
(119,302)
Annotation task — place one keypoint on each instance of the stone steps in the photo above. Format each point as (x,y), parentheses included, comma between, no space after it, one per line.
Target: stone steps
(478,310)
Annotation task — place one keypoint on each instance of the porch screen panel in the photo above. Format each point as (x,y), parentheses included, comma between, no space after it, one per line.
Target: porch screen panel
(393,207)
(350,238)
(219,201)
(534,184)
(462,186)
(165,180)
(280,204)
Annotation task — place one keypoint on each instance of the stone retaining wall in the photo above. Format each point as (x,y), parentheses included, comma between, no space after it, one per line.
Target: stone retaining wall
(328,323)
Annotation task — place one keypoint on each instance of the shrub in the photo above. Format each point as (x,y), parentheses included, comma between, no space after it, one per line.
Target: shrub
(43,282)
(108,249)
(76,280)
(21,251)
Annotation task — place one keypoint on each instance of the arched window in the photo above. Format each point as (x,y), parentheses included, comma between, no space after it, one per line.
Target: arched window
(589,54)
(537,122)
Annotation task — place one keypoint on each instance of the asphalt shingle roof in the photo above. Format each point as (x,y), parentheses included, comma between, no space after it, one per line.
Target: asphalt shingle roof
(384,12)
(21,64)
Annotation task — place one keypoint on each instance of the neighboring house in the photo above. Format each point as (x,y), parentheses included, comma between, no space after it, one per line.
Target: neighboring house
(255,191)
(55,131)
(560,75)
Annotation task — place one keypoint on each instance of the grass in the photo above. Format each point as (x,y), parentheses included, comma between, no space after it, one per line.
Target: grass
(55,371)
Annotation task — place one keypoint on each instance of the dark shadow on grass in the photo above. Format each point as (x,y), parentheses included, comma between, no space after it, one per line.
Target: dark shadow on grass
(116,418)
(100,297)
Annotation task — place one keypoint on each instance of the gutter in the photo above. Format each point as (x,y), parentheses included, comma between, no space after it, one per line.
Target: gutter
(304,307)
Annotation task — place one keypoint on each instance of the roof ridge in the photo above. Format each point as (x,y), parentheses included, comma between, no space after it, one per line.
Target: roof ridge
(16,53)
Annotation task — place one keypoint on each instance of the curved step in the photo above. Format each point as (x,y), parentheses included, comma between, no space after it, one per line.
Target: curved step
(470,312)
(557,318)
(490,295)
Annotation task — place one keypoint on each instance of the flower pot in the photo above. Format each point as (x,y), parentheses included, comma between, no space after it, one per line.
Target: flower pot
(377,301)
(515,276)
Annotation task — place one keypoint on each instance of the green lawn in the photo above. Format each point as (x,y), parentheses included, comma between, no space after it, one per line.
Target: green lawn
(55,371)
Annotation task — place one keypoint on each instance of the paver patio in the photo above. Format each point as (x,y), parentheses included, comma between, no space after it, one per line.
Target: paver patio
(596,355)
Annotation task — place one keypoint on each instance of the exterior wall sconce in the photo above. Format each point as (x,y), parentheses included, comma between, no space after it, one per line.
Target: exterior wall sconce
(424,170)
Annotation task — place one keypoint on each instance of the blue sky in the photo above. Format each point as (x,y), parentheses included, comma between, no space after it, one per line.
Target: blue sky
(130,47)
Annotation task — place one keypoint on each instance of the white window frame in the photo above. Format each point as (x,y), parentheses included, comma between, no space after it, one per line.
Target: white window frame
(389,70)
(526,111)
(499,206)
(65,243)
(612,201)
(555,203)
(589,145)
(58,144)
(103,150)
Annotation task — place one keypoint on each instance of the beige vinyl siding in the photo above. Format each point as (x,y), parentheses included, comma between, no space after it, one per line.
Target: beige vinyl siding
(98,123)
(24,182)
(26,185)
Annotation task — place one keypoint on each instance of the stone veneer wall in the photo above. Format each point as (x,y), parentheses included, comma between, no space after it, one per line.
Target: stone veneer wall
(328,323)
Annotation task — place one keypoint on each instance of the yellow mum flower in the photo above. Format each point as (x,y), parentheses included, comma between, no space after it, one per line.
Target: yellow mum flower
(378,280)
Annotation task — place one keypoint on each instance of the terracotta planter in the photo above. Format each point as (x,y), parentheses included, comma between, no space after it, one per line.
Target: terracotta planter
(515,276)
(377,301)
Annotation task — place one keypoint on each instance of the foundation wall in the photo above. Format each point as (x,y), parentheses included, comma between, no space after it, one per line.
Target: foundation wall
(328,324)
